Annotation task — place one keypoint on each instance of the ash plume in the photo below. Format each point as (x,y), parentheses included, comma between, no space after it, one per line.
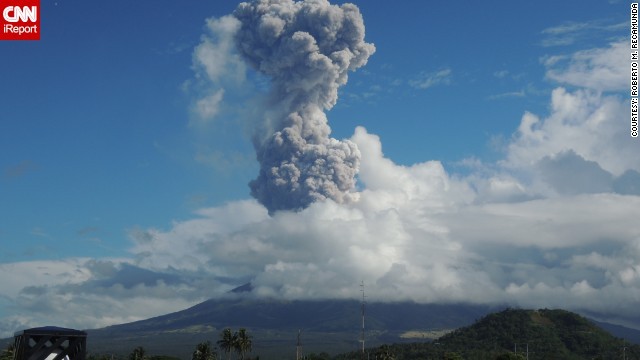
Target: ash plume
(306,48)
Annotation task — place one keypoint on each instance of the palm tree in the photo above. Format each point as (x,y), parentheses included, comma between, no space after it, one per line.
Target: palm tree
(227,341)
(8,353)
(243,343)
(138,354)
(204,352)
(384,353)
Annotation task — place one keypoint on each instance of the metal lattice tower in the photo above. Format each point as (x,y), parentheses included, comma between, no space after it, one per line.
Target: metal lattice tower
(362,333)
(299,346)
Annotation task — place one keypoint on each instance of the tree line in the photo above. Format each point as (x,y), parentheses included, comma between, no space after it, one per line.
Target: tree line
(229,343)
(238,342)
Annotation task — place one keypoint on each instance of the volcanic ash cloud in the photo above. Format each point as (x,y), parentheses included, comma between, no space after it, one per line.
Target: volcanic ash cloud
(306,48)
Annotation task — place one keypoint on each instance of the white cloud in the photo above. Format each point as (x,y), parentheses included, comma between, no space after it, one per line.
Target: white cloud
(426,80)
(415,234)
(569,173)
(217,66)
(565,34)
(501,74)
(85,293)
(215,55)
(603,69)
(498,188)
(207,107)
(584,121)
(570,33)
(511,94)
(40,273)
(547,223)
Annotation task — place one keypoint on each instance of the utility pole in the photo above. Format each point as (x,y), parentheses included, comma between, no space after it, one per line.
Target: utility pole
(362,334)
(515,349)
(299,346)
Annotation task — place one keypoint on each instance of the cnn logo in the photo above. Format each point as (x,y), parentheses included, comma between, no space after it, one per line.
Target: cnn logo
(20,20)
(14,14)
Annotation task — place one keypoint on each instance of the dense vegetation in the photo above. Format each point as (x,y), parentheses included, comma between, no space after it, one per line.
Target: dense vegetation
(7,354)
(238,342)
(514,334)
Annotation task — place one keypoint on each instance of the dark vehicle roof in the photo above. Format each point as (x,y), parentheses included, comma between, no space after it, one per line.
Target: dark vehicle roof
(50,330)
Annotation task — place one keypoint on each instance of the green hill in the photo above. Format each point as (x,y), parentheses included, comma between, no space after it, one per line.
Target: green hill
(538,334)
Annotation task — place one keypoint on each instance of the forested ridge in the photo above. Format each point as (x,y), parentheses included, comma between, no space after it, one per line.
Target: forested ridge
(517,334)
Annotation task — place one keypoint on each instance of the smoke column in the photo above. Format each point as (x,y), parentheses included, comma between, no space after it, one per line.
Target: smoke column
(306,48)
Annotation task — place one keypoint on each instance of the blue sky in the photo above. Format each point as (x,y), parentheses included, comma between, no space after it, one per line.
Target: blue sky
(102,148)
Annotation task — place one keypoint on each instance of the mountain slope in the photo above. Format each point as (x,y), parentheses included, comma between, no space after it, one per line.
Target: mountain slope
(325,315)
(328,325)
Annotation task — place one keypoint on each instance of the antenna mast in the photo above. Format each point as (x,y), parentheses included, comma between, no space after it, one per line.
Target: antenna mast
(299,346)
(362,334)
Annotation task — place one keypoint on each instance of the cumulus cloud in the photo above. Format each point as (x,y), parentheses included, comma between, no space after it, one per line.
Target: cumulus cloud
(415,233)
(87,293)
(602,69)
(583,121)
(322,251)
